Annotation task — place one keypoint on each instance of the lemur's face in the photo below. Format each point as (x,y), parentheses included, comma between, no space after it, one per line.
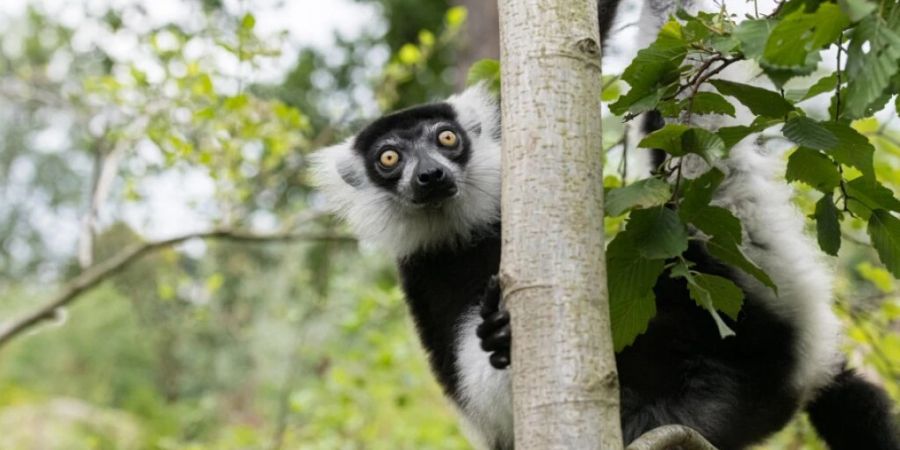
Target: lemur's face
(419,155)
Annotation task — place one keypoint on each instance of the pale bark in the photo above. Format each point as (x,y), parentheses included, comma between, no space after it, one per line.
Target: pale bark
(565,387)
(669,437)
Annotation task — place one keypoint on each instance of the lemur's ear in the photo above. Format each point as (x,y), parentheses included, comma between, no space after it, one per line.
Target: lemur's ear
(337,165)
(476,107)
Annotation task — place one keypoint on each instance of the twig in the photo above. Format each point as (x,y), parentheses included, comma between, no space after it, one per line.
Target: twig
(671,436)
(100,272)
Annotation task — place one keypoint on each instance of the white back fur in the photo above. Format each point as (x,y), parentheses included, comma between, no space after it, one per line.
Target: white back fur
(376,216)
(774,238)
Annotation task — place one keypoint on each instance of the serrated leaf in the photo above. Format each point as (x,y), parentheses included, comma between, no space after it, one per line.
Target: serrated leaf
(702,294)
(730,253)
(872,59)
(724,295)
(759,101)
(872,194)
(857,9)
(701,142)
(794,43)
(753,35)
(824,84)
(630,279)
(806,132)
(828,225)
(708,103)
(735,134)
(642,194)
(652,70)
(697,193)
(667,139)
(813,168)
(658,233)
(852,149)
(884,230)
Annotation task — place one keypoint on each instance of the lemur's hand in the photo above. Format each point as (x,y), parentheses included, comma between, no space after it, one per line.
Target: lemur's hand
(494,330)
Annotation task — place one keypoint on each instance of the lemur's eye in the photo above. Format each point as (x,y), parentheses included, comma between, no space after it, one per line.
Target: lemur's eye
(389,158)
(448,138)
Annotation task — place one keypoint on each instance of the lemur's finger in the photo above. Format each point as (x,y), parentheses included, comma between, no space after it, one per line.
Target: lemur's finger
(490,300)
(500,339)
(500,360)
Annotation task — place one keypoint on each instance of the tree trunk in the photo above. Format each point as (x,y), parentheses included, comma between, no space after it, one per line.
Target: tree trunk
(565,387)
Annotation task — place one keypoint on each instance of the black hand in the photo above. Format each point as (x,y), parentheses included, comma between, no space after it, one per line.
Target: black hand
(494,330)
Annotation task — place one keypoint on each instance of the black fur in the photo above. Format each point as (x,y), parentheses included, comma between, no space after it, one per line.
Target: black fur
(606,13)
(852,414)
(441,285)
(735,391)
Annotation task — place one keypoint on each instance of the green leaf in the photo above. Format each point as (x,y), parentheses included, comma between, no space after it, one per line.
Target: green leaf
(456,16)
(761,102)
(857,9)
(652,71)
(825,84)
(852,149)
(630,280)
(698,193)
(813,168)
(720,292)
(872,194)
(794,43)
(753,35)
(884,230)
(708,103)
(667,139)
(732,135)
(248,22)
(719,223)
(642,194)
(828,225)
(872,59)
(806,132)
(485,70)
(730,253)
(703,143)
(658,232)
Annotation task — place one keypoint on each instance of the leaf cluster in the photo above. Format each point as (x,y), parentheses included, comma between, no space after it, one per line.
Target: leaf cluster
(678,75)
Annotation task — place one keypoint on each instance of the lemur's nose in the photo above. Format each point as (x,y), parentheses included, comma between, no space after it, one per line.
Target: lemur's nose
(430,176)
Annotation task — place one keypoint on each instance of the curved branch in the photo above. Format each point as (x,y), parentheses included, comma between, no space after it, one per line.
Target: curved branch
(669,437)
(100,272)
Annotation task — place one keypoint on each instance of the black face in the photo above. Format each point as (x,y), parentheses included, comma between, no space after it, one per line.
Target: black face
(417,154)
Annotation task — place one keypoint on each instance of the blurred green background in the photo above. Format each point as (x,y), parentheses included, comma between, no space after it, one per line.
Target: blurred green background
(124,122)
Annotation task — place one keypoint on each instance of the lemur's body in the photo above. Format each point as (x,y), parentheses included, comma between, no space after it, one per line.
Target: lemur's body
(425,183)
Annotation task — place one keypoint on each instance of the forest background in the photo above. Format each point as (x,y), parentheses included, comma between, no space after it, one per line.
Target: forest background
(123,122)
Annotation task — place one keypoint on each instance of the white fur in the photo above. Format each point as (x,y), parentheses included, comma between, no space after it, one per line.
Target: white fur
(377,216)
(486,392)
(773,229)
(774,239)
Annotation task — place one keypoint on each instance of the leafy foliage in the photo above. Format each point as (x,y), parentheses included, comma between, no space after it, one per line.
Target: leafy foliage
(676,74)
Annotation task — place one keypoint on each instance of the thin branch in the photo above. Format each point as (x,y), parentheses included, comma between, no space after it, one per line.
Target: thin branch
(100,272)
(671,436)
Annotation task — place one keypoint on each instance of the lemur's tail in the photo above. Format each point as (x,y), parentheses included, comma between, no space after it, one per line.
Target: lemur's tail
(853,414)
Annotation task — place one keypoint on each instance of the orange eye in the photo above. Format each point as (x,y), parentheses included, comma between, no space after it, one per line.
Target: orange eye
(389,158)
(448,138)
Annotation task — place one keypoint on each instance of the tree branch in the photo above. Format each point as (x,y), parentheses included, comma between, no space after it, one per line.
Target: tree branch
(671,436)
(100,272)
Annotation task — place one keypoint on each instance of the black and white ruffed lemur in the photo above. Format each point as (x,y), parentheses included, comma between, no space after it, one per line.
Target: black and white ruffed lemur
(424,183)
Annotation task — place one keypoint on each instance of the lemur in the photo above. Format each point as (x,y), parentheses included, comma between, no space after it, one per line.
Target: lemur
(424,183)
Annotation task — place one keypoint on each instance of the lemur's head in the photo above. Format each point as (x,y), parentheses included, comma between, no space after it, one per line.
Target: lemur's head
(420,177)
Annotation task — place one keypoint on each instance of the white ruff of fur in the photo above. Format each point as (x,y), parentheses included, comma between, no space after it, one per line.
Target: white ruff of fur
(377,216)
(774,239)
(486,392)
